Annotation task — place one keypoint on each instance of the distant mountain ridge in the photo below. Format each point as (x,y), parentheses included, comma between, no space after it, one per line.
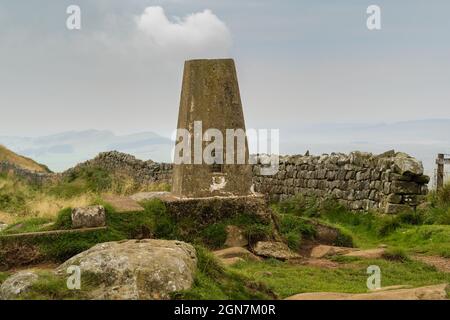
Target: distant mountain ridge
(422,139)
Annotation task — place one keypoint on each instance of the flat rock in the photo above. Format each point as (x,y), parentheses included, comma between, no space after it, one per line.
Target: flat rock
(235,237)
(88,217)
(123,203)
(137,269)
(367,254)
(17,284)
(236,252)
(435,292)
(322,251)
(277,250)
(231,261)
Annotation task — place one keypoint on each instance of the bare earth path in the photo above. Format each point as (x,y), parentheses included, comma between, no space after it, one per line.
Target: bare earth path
(440,263)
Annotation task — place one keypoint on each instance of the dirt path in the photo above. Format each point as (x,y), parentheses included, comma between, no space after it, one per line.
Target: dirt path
(440,263)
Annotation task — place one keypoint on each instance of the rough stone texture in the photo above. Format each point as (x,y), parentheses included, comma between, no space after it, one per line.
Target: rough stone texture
(88,217)
(122,203)
(144,173)
(144,269)
(211,210)
(390,182)
(322,251)
(235,237)
(367,254)
(31,176)
(17,284)
(436,292)
(236,252)
(210,94)
(277,250)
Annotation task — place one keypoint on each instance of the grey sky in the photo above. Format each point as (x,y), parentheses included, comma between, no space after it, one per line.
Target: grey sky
(298,62)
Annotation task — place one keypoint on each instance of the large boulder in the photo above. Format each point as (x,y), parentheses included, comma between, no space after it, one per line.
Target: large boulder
(137,269)
(277,250)
(88,217)
(407,165)
(17,284)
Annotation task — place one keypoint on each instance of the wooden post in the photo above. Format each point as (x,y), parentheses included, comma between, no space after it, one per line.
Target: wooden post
(440,171)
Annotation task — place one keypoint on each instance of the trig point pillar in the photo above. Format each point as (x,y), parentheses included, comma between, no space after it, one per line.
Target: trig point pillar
(210,99)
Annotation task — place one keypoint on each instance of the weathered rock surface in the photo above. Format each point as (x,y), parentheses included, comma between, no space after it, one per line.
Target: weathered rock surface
(17,284)
(435,292)
(322,251)
(277,250)
(231,261)
(236,252)
(235,237)
(137,269)
(88,217)
(367,254)
(122,203)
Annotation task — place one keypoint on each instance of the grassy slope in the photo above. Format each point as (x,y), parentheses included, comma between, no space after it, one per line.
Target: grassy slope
(21,161)
(268,279)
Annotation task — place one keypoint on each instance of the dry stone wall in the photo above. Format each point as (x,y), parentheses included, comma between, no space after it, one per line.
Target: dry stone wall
(28,175)
(391,182)
(143,172)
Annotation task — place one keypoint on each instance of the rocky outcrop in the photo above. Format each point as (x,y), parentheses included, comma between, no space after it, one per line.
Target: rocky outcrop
(17,284)
(137,269)
(88,217)
(391,182)
(277,250)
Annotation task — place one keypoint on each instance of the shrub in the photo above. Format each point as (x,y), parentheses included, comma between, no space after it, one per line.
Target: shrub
(396,255)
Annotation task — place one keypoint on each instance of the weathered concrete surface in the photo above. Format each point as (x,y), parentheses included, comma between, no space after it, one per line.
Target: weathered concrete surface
(210,93)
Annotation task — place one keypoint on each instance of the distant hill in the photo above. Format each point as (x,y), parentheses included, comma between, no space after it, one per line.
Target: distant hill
(21,161)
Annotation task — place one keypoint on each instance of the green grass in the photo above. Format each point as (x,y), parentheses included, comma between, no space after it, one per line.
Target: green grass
(28,225)
(410,232)
(52,287)
(286,279)
(214,281)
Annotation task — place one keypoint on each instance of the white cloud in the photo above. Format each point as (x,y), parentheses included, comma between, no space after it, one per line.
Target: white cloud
(200,34)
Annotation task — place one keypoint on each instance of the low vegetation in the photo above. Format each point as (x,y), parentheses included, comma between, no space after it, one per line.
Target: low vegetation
(425,230)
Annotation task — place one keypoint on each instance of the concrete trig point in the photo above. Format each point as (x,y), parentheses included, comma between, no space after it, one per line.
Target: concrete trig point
(210,94)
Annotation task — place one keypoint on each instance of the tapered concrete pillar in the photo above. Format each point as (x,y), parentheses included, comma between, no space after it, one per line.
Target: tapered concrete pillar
(210,97)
